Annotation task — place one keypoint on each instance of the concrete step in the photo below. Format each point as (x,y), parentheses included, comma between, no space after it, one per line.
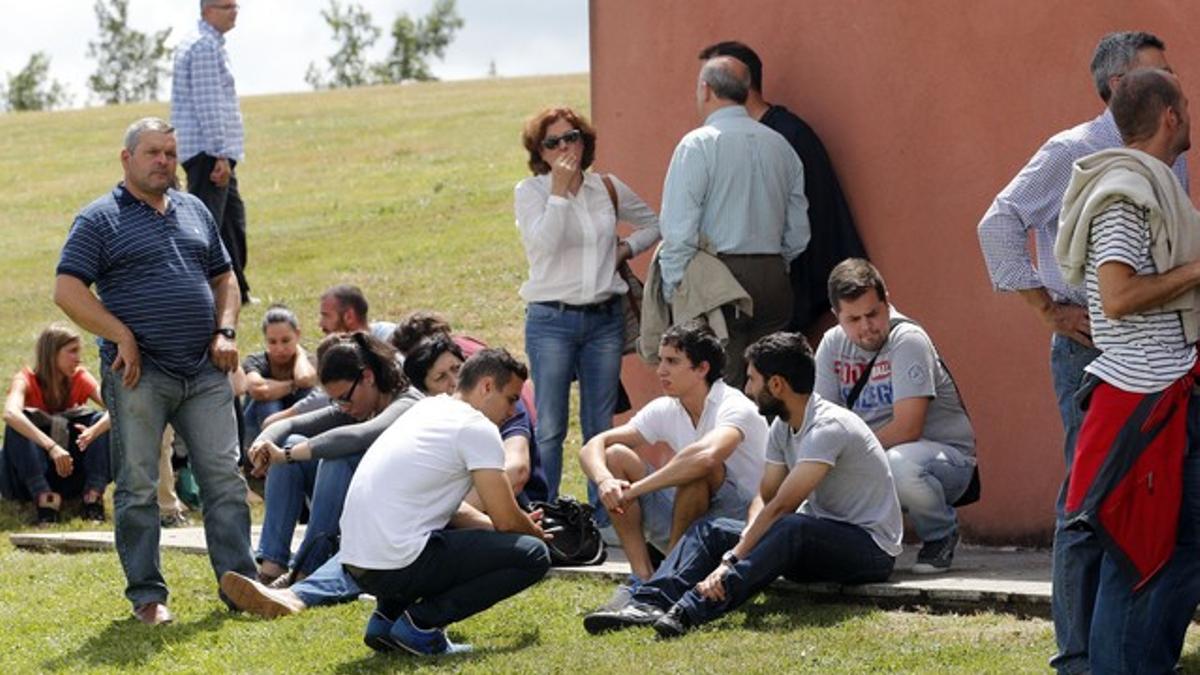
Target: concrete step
(982,578)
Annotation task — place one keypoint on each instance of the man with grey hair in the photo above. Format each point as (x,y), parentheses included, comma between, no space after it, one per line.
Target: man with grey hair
(1030,204)
(735,188)
(166,308)
(204,108)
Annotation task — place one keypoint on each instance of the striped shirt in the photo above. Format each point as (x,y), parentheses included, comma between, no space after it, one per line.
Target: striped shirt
(736,184)
(204,104)
(152,272)
(1143,352)
(1031,202)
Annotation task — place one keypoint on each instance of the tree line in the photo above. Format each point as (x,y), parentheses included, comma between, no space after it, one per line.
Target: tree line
(132,65)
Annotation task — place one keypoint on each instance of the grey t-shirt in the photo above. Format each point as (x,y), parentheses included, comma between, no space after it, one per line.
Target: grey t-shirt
(907,366)
(858,488)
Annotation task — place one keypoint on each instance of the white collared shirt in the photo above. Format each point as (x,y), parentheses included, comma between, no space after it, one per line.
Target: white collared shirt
(571,242)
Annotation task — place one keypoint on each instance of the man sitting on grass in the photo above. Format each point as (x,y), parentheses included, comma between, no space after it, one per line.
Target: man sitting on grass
(716,434)
(827,509)
(410,488)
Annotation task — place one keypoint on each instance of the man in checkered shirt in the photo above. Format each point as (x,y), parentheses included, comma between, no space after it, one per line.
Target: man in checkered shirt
(208,123)
(1030,203)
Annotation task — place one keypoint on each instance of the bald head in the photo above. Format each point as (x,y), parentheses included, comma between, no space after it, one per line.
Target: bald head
(727,78)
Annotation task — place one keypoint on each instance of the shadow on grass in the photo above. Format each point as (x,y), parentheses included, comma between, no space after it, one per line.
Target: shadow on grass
(126,643)
(404,662)
(784,612)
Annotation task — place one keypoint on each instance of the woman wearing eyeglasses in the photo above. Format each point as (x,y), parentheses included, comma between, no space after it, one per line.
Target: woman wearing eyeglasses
(315,454)
(574,325)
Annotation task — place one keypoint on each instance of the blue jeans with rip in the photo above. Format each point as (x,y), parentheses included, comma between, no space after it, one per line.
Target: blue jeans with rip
(565,345)
(287,486)
(1075,566)
(200,409)
(1142,631)
(800,547)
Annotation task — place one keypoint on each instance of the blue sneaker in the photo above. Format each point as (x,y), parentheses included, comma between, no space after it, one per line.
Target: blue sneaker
(422,642)
(378,635)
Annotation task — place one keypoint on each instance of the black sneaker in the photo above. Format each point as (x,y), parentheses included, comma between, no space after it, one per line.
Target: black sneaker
(93,511)
(935,556)
(632,614)
(46,516)
(672,624)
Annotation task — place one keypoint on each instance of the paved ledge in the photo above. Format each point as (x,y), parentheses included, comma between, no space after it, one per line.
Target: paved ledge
(983,578)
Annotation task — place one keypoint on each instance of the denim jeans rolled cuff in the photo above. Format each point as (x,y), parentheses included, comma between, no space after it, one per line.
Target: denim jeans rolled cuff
(458,574)
(565,345)
(200,409)
(329,584)
(929,477)
(287,486)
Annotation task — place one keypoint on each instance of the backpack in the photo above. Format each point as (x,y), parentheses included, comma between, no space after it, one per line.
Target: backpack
(576,538)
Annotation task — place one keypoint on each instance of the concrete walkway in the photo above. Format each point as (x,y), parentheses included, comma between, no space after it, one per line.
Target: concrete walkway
(1001,579)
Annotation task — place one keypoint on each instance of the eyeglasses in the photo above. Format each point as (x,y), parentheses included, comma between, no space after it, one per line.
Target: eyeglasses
(345,401)
(552,142)
(228,7)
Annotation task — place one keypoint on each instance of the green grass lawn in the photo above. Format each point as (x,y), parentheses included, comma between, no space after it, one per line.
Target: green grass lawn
(405,191)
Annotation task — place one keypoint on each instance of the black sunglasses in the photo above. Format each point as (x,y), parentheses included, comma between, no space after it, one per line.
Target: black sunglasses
(552,142)
(344,401)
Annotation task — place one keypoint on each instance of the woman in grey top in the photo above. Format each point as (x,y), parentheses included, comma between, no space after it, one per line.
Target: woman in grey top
(315,454)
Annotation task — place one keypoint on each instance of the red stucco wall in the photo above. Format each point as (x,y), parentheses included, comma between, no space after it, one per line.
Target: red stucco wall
(928,108)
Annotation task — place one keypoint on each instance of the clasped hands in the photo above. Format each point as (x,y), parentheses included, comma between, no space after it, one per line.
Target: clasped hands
(262,455)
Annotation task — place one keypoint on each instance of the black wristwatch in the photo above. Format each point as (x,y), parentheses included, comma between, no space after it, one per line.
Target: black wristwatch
(227,332)
(729,559)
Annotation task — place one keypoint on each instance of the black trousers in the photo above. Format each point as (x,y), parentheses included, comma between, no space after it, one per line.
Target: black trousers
(225,204)
(765,278)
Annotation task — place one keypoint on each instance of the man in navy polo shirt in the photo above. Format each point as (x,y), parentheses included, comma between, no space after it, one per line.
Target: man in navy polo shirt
(166,305)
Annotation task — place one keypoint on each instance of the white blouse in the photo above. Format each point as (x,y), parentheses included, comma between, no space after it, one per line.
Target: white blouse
(571,242)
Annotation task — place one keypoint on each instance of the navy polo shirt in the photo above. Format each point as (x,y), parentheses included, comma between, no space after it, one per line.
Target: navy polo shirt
(152,272)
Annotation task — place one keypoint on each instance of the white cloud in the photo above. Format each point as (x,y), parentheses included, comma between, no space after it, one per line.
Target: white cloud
(275,40)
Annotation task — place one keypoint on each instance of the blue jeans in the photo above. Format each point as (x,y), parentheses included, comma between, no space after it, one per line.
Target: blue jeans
(35,472)
(459,574)
(328,497)
(800,547)
(329,584)
(564,345)
(1075,566)
(930,476)
(200,409)
(287,486)
(1143,631)
(255,412)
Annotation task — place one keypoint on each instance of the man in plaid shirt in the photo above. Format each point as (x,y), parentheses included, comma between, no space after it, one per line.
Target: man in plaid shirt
(208,123)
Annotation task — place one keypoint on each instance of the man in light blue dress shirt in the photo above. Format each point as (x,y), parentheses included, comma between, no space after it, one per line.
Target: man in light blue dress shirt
(208,123)
(735,188)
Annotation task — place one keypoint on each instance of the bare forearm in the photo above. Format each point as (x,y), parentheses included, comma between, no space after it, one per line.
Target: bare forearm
(228,300)
(270,390)
(469,517)
(82,306)
(1123,293)
(681,469)
(591,459)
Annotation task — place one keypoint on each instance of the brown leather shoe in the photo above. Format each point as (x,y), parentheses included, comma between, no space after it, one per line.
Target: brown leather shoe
(153,614)
(251,596)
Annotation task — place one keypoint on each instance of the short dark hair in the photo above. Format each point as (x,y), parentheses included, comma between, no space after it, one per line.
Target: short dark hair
(741,52)
(343,356)
(534,133)
(350,296)
(853,277)
(417,326)
(725,81)
(700,344)
(493,362)
(1140,100)
(1115,53)
(420,360)
(279,313)
(787,355)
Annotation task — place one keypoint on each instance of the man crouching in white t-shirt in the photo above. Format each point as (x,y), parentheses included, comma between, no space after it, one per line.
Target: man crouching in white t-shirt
(409,489)
(718,439)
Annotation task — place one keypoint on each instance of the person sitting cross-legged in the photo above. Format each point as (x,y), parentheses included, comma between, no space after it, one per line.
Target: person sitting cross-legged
(718,439)
(826,511)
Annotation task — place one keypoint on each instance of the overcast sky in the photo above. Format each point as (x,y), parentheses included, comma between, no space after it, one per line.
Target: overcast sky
(275,40)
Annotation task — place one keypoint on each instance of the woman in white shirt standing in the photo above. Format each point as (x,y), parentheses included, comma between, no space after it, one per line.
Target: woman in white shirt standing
(574,324)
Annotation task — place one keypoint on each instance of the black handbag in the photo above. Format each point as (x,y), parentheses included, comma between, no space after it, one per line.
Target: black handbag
(576,539)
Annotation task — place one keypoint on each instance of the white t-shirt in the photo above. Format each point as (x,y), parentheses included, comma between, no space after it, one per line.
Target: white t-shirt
(665,420)
(412,480)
